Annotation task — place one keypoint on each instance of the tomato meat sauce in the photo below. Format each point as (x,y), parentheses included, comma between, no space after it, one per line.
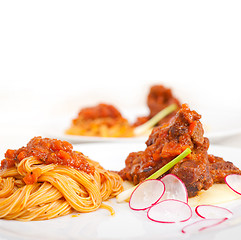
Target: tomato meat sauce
(102,110)
(50,151)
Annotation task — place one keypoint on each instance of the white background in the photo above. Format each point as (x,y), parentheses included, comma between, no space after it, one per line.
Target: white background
(56,56)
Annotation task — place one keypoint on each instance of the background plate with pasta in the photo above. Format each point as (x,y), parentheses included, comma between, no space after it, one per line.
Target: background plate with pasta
(228,125)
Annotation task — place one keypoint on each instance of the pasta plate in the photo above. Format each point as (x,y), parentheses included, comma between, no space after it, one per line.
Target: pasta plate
(126,223)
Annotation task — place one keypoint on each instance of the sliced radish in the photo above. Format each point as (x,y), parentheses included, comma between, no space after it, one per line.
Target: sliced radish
(146,194)
(170,211)
(212,212)
(234,182)
(174,188)
(202,225)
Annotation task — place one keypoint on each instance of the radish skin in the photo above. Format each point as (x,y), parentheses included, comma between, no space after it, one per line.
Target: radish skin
(146,194)
(234,182)
(212,212)
(202,225)
(174,188)
(170,211)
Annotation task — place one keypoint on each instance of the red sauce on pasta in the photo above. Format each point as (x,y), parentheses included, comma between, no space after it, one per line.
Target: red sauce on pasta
(49,151)
(102,110)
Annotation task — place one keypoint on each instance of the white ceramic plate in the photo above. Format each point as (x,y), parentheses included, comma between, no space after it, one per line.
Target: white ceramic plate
(126,224)
(221,124)
(86,139)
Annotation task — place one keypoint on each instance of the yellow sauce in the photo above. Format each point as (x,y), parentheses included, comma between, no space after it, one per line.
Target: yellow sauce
(217,194)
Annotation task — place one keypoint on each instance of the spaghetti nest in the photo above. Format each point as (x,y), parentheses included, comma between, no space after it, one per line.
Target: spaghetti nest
(56,190)
(102,127)
(102,120)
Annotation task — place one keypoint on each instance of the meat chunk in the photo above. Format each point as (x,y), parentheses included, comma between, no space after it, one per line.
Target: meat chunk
(198,170)
(195,172)
(219,168)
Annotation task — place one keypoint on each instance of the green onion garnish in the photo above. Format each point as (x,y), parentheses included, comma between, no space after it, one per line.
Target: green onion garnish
(153,121)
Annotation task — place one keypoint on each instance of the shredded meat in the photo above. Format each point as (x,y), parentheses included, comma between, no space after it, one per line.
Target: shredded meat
(198,170)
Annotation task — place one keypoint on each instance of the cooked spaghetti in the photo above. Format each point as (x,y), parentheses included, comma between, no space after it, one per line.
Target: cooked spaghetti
(102,120)
(47,179)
